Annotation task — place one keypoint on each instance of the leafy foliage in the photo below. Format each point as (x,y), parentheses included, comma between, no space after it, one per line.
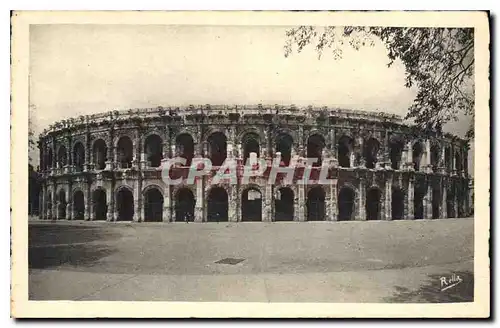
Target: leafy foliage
(438,61)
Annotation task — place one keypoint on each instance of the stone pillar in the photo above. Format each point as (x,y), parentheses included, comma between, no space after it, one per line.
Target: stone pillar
(332,206)
(410,199)
(453,161)
(69,211)
(137,205)
(388,197)
(362,200)
(167,212)
(444,201)
(268,206)
(198,210)
(455,201)
(234,204)
(442,163)
(428,202)
(300,207)
(409,156)
(263,146)
(361,145)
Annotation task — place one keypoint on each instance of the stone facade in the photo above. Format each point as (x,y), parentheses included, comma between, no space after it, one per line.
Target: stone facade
(108,166)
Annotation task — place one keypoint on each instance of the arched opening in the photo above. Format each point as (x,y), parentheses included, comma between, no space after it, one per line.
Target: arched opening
(125,152)
(435,150)
(217,209)
(217,145)
(153,205)
(345,201)
(436,202)
(78,205)
(78,156)
(250,145)
(417,152)
(61,204)
(345,147)
(418,199)
(251,205)
(397,204)
(125,204)
(100,154)
(373,196)
(185,146)
(450,203)
(396,146)
(284,143)
(99,204)
(370,151)
(184,205)
(315,145)
(447,159)
(283,204)
(153,150)
(458,162)
(315,204)
(50,158)
(62,158)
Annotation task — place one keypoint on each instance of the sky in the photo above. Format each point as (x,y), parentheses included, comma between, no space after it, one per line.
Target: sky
(85,69)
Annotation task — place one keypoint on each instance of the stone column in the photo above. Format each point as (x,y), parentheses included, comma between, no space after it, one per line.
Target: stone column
(263,145)
(428,201)
(69,205)
(409,157)
(267,209)
(362,200)
(444,201)
(410,199)
(442,163)
(137,205)
(198,210)
(233,204)
(167,213)
(332,206)
(300,207)
(388,197)
(453,162)
(361,145)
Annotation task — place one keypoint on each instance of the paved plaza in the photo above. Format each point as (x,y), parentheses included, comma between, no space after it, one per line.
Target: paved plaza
(376,261)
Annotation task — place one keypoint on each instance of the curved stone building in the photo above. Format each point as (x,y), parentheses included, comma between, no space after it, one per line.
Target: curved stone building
(108,166)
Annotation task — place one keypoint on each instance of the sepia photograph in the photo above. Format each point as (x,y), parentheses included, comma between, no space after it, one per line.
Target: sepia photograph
(250,163)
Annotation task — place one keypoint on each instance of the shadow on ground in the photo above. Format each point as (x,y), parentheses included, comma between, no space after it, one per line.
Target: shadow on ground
(55,246)
(431,291)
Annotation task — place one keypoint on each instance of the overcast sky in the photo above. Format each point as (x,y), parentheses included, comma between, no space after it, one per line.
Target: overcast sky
(84,69)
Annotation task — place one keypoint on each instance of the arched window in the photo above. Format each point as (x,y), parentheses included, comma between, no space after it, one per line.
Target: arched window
(100,154)
(78,156)
(153,149)
(284,143)
(370,151)
(125,152)
(315,145)
(417,151)
(396,145)
(345,147)
(217,143)
(185,147)
(62,159)
(251,145)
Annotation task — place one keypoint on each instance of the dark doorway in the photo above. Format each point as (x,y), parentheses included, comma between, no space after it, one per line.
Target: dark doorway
(184,205)
(418,199)
(185,147)
(370,151)
(450,203)
(100,154)
(217,143)
(315,145)
(61,210)
(79,156)
(397,204)
(78,205)
(217,207)
(316,204)
(373,196)
(346,204)
(153,206)
(283,205)
(125,152)
(125,204)
(251,205)
(153,149)
(435,150)
(284,143)
(436,203)
(250,145)
(62,157)
(417,151)
(396,146)
(99,205)
(344,150)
